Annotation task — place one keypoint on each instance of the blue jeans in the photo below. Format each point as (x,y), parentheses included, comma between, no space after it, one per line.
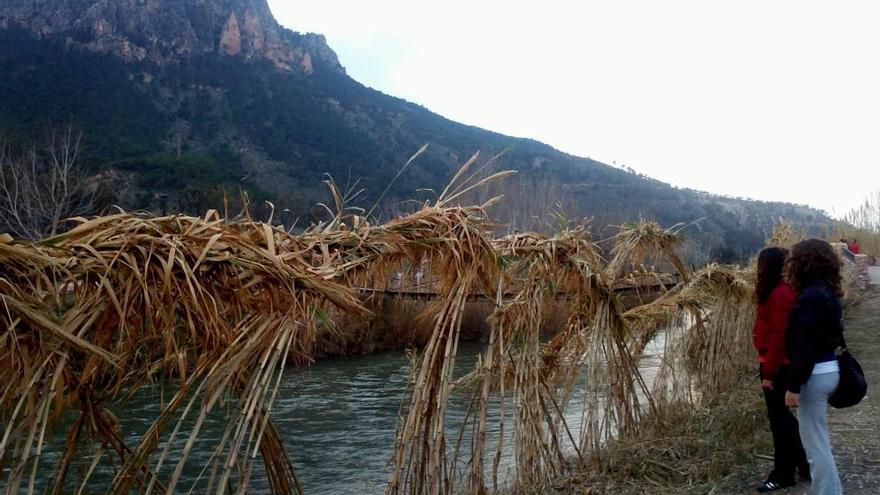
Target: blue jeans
(813,425)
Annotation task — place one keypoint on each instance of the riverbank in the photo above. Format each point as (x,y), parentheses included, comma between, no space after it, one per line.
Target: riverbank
(683,453)
(398,323)
(725,449)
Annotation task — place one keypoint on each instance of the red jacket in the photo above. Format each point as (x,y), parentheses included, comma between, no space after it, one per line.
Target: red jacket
(770,327)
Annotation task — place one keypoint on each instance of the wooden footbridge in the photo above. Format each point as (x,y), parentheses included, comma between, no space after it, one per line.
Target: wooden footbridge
(642,286)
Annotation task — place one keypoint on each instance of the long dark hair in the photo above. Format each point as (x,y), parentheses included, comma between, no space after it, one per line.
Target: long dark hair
(812,261)
(771,262)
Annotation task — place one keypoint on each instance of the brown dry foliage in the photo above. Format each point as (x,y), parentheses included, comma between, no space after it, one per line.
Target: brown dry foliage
(214,310)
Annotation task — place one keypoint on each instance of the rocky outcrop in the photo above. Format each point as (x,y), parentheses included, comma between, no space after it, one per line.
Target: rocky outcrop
(230,40)
(170,31)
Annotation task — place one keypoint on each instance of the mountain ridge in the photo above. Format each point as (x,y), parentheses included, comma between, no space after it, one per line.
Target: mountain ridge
(127,29)
(182,101)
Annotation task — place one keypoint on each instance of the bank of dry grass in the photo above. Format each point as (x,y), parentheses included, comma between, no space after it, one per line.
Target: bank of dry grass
(686,451)
(400,323)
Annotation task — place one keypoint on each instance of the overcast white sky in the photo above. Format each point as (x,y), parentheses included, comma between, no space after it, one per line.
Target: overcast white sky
(774,100)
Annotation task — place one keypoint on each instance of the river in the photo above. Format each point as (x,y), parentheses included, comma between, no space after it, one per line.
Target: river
(337,419)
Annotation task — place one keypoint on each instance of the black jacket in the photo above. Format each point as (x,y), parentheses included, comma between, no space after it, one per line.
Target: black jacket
(814,332)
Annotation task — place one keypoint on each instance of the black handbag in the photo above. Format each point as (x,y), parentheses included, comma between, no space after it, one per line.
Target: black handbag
(853,387)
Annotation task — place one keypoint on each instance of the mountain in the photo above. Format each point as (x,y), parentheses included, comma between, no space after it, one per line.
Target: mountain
(186,97)
(168,32)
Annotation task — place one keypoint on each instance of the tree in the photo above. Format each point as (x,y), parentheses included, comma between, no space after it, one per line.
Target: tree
(39,190)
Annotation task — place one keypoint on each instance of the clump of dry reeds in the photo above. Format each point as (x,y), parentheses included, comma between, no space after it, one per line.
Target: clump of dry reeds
(123,302)
(785,235)
(216,309)
(599,349)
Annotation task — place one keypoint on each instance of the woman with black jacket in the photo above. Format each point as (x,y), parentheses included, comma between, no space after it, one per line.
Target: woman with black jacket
(814,333)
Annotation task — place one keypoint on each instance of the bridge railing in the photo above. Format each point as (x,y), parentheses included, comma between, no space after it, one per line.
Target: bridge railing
(426,287)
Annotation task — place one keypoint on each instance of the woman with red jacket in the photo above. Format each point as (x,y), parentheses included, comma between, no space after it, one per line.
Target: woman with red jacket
(775,298)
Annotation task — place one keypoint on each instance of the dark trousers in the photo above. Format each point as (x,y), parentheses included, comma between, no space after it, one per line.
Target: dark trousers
(788,452)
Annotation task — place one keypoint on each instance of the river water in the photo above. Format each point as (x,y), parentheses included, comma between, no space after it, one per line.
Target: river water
(344,414)
(337,419)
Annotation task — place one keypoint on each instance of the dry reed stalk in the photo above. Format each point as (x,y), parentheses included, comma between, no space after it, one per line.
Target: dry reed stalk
(537,458)
(123,302)
(130,301)
(544,267)
(487,368)
(457,250)
(719,343)
(785,235)
(605,341)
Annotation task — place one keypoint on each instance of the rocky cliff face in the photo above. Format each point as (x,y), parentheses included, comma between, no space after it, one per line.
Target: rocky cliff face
(169,31)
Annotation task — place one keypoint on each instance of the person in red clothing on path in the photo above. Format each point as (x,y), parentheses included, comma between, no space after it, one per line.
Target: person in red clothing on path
(855,247)
(775,298)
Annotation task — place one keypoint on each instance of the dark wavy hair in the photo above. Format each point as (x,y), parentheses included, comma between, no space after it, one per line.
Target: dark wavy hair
(814,261)
(771,262)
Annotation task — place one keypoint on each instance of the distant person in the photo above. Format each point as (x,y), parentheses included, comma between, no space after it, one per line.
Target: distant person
(775,298)
(855,247)
(814,333)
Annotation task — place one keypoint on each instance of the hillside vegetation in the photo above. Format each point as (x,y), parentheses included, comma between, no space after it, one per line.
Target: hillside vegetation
(210,125)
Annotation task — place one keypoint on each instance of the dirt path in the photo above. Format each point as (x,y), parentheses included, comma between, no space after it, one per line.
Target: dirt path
(855,432)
